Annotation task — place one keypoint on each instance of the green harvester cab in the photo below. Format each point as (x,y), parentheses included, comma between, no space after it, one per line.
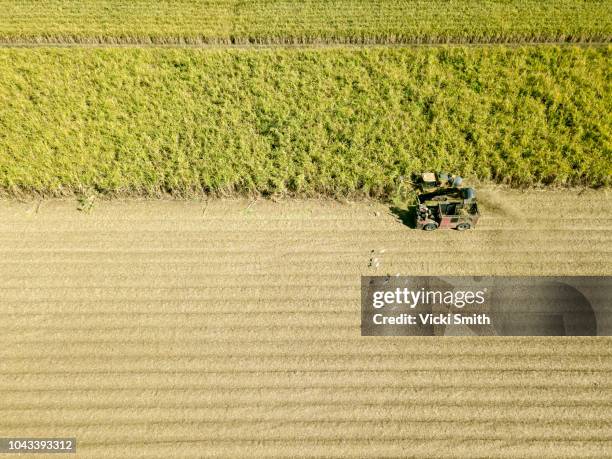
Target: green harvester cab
(442,202)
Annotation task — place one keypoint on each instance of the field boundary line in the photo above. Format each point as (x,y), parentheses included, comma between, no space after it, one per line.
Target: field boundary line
(305,46)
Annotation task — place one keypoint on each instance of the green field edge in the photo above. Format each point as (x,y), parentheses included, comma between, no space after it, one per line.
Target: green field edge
(306,46)
(231,42)
(87,195)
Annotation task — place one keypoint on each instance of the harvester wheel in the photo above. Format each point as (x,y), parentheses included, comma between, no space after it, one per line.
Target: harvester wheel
(430,227)
(463,226)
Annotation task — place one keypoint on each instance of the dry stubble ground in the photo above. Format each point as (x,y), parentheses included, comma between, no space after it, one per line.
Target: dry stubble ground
(231,328)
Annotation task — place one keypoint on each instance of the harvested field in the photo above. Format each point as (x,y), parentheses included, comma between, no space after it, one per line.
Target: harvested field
(304,21)
(231,328)
(332,122)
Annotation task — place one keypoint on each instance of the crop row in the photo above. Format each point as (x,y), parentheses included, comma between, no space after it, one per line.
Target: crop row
(304,21)
(327,121)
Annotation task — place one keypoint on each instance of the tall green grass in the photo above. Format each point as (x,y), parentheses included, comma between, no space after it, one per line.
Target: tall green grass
(328,121)
(304,21)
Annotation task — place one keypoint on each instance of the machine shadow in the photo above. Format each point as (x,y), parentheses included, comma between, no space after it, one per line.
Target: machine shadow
(407,216)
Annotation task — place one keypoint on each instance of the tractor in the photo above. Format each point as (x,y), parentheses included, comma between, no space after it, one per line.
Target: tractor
(443,203)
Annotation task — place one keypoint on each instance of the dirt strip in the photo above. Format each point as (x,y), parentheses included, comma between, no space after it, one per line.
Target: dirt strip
(332,45)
